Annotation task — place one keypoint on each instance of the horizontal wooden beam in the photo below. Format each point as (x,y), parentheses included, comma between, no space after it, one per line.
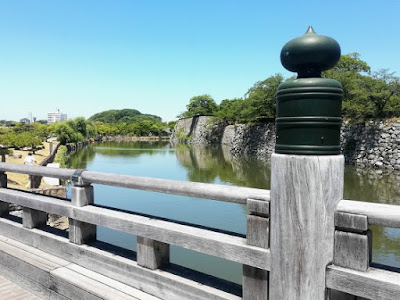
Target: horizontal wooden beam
(164,284)
(377,213)
(372,284)
(184,188)
(351,222)
(193,189)
(37,170)
(205,241)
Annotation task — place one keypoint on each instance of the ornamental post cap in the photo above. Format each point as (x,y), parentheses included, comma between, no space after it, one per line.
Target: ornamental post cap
(310,54)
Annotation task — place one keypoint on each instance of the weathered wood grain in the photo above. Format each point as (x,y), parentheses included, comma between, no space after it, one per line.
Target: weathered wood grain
(255,283)
(163,284)
(197,239)
(372,284)
(201,240)
(184,188)
(257,231)
(11,291)
(351,222)
(353,250)
(4,207)
(305,191)
(151,254)
(33,218)
(38,202)
(78,283)
(377,213)
(258,207)
(37,170)
(81,232)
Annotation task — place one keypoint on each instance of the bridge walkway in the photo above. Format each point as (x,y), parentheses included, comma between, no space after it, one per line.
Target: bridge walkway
(11,291)
(46,276)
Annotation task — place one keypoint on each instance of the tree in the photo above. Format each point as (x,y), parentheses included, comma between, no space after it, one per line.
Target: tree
(261,98)
(365,95)
(230,110)
(203,105)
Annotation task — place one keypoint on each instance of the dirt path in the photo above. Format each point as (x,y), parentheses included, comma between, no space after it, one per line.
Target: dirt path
(20,181)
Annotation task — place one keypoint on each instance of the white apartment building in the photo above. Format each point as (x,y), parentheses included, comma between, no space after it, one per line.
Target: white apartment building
(56,117)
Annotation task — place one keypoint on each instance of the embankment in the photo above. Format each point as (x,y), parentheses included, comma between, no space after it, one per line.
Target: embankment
(372,144)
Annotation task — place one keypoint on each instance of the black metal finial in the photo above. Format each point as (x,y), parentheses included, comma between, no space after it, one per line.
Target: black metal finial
(310,54)
(308,109)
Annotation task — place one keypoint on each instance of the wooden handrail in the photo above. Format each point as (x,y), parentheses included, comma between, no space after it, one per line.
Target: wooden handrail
(377,213)
(184,188)
(209,242)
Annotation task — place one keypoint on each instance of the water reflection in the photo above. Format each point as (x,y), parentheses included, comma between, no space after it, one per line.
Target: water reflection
(216,165)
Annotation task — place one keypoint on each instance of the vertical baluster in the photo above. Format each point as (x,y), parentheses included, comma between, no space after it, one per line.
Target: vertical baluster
(353,246)
(255,281)
(4,207)
(151,254)
(81,195)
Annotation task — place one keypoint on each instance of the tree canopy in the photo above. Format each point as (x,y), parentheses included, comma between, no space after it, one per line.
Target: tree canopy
(203,105)
(367,94)
(122,116)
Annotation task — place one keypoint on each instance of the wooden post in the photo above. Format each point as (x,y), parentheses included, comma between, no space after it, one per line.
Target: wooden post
(33,218)
(255,281)
(151,254)
(81,195)
(353,246)
(4,206)
(305,191)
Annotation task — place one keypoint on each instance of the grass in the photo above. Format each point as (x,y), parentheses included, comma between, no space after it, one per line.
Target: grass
(19,181)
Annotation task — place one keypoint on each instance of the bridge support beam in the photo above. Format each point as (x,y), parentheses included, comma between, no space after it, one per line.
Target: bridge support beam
(151,254)
(81,232)
(255,281)
(305,191)
(4,207)
(33,218)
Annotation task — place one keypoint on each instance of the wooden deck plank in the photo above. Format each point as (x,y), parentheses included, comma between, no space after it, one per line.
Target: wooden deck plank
(11,291)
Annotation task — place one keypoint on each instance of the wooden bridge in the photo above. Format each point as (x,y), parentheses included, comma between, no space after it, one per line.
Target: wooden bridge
(303,241)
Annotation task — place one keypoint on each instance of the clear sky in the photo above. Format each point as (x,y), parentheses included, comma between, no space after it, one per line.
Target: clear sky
(86,56)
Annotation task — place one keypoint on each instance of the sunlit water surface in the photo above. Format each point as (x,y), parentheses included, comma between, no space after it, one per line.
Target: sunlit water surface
(213,165)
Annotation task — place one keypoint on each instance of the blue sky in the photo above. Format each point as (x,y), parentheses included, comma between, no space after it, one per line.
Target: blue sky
(85,56)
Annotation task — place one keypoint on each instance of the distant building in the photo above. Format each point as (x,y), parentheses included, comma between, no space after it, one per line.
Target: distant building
(25,121)
(56,117)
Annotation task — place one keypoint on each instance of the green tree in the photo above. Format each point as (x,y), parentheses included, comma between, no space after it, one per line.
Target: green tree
(261,99)
(230,110)
(203,105)
(366,95)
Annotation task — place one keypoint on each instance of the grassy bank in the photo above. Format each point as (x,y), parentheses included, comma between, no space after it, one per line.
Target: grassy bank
(19,181)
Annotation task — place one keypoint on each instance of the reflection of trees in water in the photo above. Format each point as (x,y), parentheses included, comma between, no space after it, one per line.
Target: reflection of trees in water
(132,149)
(135,145)
(208,164)
(372,186)
(80,158)
(386,246)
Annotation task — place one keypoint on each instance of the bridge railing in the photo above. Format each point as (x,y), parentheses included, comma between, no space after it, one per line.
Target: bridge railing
(154,236)
(351,271)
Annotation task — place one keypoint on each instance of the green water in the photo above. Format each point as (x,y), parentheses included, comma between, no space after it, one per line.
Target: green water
(213,165)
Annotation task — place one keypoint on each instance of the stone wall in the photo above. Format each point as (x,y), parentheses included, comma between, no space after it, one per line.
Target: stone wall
(373,144)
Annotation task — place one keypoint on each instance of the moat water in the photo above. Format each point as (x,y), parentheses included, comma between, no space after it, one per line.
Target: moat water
(213,165)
